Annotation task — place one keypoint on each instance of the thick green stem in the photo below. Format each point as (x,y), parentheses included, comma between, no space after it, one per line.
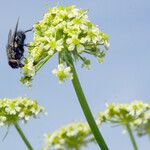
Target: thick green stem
(23,136)
(132,137)
(86,109)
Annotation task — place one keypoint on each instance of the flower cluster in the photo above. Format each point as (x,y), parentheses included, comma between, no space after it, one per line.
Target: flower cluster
(66,31)
(73,136)
(136,114)
(14,110)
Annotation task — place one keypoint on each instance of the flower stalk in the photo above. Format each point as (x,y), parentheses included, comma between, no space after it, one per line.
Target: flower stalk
(131,137)
(86,110)
(25,140)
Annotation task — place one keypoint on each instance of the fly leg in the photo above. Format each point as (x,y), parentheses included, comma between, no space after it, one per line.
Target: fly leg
(28,30)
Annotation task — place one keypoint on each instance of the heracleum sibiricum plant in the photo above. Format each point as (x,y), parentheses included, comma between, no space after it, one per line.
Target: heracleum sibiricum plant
(133,117)
(68,32)
(73,136)
(12,111)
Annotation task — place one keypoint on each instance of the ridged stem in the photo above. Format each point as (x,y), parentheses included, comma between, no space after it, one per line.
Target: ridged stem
(25,140)
(85,107)
(132,137)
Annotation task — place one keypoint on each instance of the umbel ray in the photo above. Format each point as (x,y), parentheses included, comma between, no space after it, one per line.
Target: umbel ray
(15,47)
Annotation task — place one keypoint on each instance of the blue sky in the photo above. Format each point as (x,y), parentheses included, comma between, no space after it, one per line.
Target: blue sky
(123,77)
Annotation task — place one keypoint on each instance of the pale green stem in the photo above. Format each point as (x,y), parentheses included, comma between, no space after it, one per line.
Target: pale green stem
(39,65)
(25,140)
(131,137)
(84,105)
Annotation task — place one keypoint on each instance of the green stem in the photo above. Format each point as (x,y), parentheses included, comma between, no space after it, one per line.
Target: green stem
(132,137)
(23,136)
(85,107)
(39,65)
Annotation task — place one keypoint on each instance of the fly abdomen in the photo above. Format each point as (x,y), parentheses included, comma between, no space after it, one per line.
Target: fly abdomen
(15,63)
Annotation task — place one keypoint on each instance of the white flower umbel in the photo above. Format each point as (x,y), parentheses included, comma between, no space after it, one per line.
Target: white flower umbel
(18,109)
(136,115)
(63,73)
(66,31)
(73,136)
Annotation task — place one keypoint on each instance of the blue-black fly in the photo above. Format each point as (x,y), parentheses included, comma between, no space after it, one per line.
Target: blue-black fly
(15,47)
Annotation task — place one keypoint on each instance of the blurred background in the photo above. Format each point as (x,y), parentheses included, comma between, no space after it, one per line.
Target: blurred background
(123,77)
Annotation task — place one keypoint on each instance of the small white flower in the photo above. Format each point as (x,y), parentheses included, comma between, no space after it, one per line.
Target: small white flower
(12,112)
(71,47)
(74,42)
(59,45)
(63,73)
(33,110)
(83,27)
(17,108)
(21,115)
(26,118)
(72,133)
(73,13)
(83,40)
(54,45)
(80,48)
(3,118)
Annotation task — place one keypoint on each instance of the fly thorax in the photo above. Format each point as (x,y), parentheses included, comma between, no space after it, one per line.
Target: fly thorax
(20,37)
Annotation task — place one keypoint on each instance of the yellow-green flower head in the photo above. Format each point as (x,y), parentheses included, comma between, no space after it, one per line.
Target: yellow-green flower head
(18,109)
(136,114)
(72,136)
(64,30)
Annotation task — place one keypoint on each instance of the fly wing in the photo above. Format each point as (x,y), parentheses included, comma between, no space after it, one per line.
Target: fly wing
(15,32)
(9,44)
(9,37)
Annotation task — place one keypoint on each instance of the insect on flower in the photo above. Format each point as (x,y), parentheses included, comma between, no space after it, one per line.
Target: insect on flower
(15,47)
